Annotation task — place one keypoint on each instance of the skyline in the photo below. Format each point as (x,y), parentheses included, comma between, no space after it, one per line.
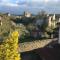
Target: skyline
(33,6)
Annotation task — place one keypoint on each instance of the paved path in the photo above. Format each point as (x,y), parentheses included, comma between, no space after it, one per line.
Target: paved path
(28,46)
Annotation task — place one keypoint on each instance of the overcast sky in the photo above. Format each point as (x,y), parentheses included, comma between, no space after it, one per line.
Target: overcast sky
(34,6)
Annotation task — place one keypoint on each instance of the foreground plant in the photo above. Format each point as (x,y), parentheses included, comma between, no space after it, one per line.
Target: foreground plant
(9,48)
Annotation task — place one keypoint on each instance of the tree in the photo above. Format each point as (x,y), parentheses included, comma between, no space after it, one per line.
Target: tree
(9,48)
(42,14)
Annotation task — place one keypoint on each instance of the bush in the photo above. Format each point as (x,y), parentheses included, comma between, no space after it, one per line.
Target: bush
(9,48)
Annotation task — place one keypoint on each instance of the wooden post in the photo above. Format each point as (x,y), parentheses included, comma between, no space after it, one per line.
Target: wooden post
(59,36)
(59,31)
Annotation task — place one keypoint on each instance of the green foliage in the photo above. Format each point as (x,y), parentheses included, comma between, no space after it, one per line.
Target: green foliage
(6,25)
(31,27)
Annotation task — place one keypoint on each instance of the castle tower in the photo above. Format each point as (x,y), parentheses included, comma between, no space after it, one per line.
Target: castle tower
(54,17)
(27,14)
(49,21)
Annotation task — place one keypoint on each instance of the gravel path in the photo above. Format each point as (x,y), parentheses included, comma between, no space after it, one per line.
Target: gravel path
(28,46)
